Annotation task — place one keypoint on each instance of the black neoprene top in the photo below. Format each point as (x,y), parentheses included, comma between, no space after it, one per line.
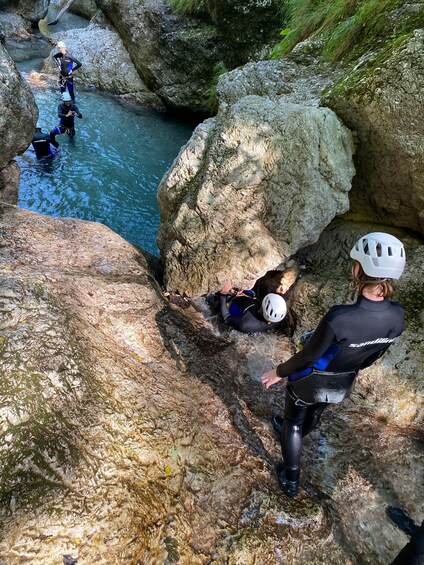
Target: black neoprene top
(251,321)
(62,111)
(66,62)
(41,143)
(361,333)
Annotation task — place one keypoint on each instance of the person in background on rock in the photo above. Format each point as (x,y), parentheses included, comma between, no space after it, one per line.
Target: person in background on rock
(413,552)
(66,111)
(348,338)
(67,66)
(41,143)
(247,314)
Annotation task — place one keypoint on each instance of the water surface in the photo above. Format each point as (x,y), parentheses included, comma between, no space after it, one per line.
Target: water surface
(110,171)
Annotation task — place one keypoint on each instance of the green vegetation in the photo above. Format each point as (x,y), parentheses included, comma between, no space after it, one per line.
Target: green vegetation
(349,28)
(212,97)
(186,7)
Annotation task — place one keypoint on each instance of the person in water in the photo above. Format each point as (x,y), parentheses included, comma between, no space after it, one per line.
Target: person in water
(244,312)
(67,66)
(66,111)
(348,338)
(42,142)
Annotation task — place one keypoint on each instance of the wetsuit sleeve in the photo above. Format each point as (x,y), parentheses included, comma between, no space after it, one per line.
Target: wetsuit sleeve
(314,349)
(60,111)
(77,63)
(57,58)
(53,141)
(75,109)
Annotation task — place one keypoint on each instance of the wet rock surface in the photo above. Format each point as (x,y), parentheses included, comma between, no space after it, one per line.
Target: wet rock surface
(134,430)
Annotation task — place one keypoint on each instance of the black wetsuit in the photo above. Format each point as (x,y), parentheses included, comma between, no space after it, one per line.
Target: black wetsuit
(349,337)
(41,143)
(413,552)
(66,122)
(66,64)
(250,319)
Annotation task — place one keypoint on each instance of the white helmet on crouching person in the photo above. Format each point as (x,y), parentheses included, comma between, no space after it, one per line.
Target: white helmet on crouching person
(274,308)
(381,255)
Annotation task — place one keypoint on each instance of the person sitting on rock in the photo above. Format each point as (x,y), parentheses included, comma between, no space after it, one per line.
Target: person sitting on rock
(247,314)
(66,111)
(67,66)
(41,143)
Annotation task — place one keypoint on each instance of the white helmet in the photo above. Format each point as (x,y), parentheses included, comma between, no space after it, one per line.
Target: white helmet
(66,97)
(274,308)
(61,44)
(381,255)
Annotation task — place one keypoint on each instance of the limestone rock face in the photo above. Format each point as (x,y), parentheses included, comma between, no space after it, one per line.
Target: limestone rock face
(249,189)
(9,182)
(19,38)
(246,23)
(28,9)
(106,63)
(84,8)
(19,112)
(385,105)
(132,430)
(174,56)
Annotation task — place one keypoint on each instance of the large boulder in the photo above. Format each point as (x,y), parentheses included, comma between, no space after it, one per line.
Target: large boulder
(175,56)
(85,8)
(252,186)
(20,39)
(34,11)
(383,101)
(106,63)
(19,112)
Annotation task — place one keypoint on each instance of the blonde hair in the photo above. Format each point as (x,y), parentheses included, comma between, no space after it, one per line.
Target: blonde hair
(362,281)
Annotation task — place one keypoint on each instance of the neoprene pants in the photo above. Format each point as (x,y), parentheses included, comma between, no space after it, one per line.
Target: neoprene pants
(67,84)
(299,421)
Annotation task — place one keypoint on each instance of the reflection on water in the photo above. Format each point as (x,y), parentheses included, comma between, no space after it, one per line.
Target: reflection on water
(110,172)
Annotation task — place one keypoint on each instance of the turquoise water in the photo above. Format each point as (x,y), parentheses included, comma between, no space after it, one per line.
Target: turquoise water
(110,171)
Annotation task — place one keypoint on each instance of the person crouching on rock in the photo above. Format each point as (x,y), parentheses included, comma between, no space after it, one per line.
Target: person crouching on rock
(348,338)
(66,111)
(244,312)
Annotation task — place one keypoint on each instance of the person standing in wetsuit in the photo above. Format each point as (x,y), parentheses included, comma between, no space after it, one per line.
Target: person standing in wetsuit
(247,314)
(348,338)
(66,112)
(41,143)
(67,66)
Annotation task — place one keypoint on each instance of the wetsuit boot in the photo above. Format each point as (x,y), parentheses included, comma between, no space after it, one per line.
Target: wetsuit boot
(290,488)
